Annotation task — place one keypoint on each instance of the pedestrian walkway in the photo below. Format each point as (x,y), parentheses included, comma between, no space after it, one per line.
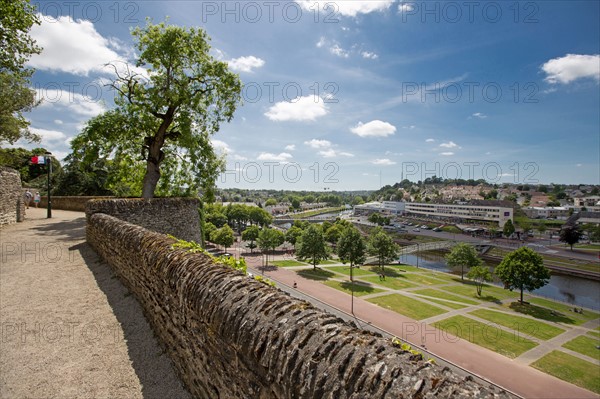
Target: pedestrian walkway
(515,376)
(70,329)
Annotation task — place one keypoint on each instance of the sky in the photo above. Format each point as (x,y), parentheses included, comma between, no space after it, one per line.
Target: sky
(353,95)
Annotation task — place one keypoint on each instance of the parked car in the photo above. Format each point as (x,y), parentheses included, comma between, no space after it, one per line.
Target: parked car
(417,230)
(436,229)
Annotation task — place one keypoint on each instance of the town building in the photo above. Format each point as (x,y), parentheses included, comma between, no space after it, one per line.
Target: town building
(385,207)
(483,211)
(547,212)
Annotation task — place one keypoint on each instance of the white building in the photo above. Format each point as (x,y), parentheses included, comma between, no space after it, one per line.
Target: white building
(483,211)
(385,207)
(547,212)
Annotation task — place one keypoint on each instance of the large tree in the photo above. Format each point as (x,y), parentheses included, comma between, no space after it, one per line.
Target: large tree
(463,255)
(223,236)
(251,234)
(168,106)
(351,247)
(381,245)
(570,235)
(509,228)
(480,274)
(269,239)
(523,269)
(16,46)
(311,246)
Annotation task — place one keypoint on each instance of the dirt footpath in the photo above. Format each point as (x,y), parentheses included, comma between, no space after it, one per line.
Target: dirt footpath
(69,328)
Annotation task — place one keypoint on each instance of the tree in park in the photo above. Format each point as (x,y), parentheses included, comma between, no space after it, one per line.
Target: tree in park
(523,269)
(481,275)
(269,239)
(223,236)
(168,105)
(311,246)
(508,229)
(381,245)
(351,248)
(332,234)
(251,234)
(16,46)
(463,255)
(570,235)
(293,234)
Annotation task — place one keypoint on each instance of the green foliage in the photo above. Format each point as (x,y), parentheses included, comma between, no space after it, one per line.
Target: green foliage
(16,46)
(223,236)
(481,275)
(194,247)
(381,245)
(292,234)
(251,234)
(351,247)
(463,255)
(265,280)
(208,230)
(269,239)
(508,229)
(271,202)
(333,233)
(523,269)
(570,235)
(311,246)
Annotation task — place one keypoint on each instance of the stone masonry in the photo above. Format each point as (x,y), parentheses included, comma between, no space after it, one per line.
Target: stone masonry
(12,204)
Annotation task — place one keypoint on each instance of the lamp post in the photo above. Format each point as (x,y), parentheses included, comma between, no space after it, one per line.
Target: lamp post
(49,157)
(417,255)
(351,290)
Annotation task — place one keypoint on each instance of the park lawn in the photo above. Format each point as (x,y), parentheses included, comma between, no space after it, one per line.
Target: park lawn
(331,262)
(288,263)
(347,287)
(594,334)
(566,310)
(587,246)
(345,270)
(489,293)
(520,324)
(318,274)
(447,304)
(390,282)
(584,345)
(444,295)
(406,268)
(487,336)
(571,369)
(423,279)
(407,306)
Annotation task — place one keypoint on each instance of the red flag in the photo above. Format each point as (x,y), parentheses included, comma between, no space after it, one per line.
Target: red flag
(34,160)
(39,160)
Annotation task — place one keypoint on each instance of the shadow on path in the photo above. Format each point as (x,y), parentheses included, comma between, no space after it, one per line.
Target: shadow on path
(150,362)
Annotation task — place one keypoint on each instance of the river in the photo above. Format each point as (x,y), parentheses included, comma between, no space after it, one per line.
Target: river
(573,290)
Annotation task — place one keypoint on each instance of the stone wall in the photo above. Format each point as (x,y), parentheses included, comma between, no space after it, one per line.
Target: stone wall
(12,204)
(68,203)
(175,216)
(231,336)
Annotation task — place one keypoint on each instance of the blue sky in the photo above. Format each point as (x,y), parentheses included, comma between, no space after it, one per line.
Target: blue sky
(350,95)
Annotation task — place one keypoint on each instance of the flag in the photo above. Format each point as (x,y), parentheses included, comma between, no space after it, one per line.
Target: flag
(38,160)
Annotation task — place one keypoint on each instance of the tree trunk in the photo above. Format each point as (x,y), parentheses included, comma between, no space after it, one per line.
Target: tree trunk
(150,179)
(521,294)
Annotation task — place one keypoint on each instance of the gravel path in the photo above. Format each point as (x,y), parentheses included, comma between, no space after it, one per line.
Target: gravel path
(69,328)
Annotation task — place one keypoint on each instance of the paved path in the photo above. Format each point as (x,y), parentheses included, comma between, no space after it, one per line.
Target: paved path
(514,376)
(69,327)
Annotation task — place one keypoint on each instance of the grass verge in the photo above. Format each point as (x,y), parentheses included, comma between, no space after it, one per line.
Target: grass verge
(523,325)
(347,287)
(406,306)
(288,263)
(585,345)
(571,369)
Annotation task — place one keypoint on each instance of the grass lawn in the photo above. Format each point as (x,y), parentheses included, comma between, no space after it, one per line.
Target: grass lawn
(444,295)
(571,369)
(493,338)
(318,274)
(330,262)
(287,263)
(422,278)
(585,346)
(566,310)
(594,334)
(356,271)
(587,246)
(488,294)
(407,306)
(390,282)
(359,289)
(523,325)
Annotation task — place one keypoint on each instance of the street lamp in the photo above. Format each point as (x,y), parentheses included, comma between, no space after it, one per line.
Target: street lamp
(49,158)
(351,290)
(417,255)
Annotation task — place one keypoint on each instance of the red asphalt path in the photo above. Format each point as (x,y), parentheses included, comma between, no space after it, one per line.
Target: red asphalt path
(518,378)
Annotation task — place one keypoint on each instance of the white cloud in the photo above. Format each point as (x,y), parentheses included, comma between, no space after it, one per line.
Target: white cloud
(322,41)
(58,122)
(73,102)
(221,146)
(337,50)
(411,127)
(306,108)
(572,67)
(374,128)
(318,144)
(369,55)
(72,46)
(48,135)
(405,7)
(245,64)
(430,141)
(290,147)
(383,161)
(281,157)
(331,153)
(446,154)
(450,144)
(346,8)
(479,115)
